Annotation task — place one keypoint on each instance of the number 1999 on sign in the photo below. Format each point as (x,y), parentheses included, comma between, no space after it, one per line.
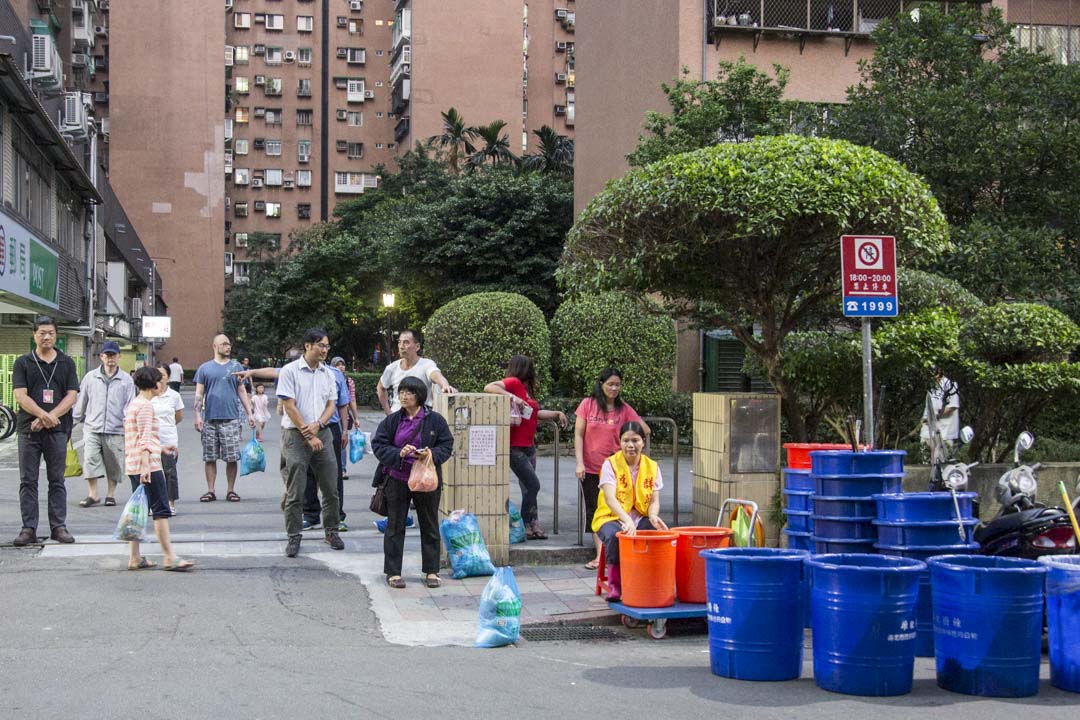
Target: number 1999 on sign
(870,308)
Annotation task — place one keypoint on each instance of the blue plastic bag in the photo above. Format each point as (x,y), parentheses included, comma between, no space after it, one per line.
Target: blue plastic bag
(132,525)
(252,458)
(465,545)
(500,611)
(380,524)
(357,445)
(517,525)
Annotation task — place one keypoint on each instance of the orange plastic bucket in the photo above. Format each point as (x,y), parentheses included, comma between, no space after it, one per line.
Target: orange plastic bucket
(798,454)
(647,565)
(689,565)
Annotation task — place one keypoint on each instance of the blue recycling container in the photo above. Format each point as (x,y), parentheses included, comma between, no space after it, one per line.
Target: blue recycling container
(1063,617)
(799,540)
(847,462)
(799,521)
(798,479)
(924,506)
(849,507)
(799,500)
(862,612)
(755,602)
(843,528)
(925,553)
(987,624)
(833,546)
(864,486)
(932,534)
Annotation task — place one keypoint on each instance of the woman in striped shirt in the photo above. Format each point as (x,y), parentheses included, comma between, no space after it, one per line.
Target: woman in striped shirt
(142,460)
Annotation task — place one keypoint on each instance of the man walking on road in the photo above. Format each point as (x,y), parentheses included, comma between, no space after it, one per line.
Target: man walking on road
(103,397)
(217,416)
(410,365)
(46,386)
(176,374)
(309,392)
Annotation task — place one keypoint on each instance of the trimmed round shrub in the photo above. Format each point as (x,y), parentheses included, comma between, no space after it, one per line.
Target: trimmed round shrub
(1016,333)
(594,332)
(473,337)
(921,290)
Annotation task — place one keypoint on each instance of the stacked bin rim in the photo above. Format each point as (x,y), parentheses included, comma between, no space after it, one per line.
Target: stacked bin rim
(798,466)
(854,533)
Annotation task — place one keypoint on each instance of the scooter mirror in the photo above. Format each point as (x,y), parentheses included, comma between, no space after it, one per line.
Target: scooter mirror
(966,434)
(1025,441)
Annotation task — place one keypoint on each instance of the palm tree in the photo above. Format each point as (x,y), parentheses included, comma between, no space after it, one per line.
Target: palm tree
(496,145)
(556,153)
(456,136)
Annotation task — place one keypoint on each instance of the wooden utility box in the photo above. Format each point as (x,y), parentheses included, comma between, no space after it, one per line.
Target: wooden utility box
(736,454)
(476,478)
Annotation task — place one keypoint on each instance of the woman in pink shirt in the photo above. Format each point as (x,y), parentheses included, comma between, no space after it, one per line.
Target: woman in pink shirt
(596,437)
(142,461)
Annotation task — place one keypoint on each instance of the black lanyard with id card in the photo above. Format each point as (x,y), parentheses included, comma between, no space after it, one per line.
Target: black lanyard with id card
(47,394)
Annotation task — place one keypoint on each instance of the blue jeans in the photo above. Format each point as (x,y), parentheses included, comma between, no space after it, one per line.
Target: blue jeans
(607,534)
(523,463)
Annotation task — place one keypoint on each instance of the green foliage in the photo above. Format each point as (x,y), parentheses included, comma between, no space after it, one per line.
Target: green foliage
(921,290)
(1013,333)
(555,154)
(593,332)
(365,382)
(749,232)
(743,102)
(473,337)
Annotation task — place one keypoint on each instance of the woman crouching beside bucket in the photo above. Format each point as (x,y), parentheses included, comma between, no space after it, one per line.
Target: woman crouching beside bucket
(629,499)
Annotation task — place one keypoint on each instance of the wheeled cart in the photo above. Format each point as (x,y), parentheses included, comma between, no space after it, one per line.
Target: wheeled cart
(656,618)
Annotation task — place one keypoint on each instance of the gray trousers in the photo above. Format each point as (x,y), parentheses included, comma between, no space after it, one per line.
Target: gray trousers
(296,457)
(52,446)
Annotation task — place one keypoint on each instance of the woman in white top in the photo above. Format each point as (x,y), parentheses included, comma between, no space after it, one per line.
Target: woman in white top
(169,409)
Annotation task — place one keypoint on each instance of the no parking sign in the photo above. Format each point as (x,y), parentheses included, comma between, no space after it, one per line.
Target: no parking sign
(868,275)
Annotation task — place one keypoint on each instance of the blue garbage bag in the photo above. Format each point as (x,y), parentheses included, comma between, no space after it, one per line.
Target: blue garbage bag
(465,545)
(357,445)
(252,458)
(517,525)
(380,524)
(500,611)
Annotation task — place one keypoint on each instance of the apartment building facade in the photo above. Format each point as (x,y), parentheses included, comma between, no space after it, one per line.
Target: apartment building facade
(820,41)
(59,253)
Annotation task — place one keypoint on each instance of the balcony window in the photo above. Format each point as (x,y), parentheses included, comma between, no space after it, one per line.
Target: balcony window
(242,21)
(305,23)
(242,176)
(273,117)
(356,119)
(355,150)
(303,56)
(240,146)
(241,209)
(273,209)
(303,87)
(242,55)
(355,90)
(356,56)
(303,211)
(303,178)
(242,115)
(273,177)
(275,22)
(273,147)
(304,117)
(303,151)
(273,56)
(242,85)
(354,183)
(273,86)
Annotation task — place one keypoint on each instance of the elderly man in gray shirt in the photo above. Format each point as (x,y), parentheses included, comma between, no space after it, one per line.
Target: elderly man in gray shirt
(308,391)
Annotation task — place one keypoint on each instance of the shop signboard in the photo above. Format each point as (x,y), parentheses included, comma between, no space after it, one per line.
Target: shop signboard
(28,267)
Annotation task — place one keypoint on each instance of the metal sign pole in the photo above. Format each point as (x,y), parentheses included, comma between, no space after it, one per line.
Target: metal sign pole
(867,383)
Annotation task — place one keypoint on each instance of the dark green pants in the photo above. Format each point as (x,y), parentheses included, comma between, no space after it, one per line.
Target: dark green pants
(296,457)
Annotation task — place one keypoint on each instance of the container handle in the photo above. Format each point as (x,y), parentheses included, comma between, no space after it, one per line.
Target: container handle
(695,539)
(644,546)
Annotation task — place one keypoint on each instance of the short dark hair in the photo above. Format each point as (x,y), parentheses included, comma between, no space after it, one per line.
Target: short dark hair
(44,320)
(314,335)
(417,337)
(146,377)
(416,386)
(176,359)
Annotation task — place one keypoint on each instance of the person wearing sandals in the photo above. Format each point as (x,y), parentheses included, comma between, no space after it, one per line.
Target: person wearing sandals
(629,499)
(104,395)
(596,437)
(402,438)
(217,416)
(142,463)
(169,408)
(520,385)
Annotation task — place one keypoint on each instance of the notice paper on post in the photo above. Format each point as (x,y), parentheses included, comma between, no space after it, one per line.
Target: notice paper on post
(482,444)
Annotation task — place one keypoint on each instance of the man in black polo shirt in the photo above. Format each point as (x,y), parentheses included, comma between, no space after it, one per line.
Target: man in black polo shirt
(45,385)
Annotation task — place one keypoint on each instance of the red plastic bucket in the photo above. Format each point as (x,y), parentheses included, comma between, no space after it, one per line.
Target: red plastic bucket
(689,565)
(798,454)
(647,566)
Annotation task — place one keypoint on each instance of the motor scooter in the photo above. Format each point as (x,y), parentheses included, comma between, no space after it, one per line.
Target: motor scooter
(1023,526)
(946,473)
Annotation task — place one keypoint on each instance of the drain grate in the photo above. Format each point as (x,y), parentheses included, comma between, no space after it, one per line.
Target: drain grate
(549,632)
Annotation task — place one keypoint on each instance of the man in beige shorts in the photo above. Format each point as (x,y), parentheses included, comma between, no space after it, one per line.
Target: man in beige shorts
(104,394)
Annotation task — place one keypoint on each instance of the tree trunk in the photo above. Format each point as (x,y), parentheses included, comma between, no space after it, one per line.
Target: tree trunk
(789,403)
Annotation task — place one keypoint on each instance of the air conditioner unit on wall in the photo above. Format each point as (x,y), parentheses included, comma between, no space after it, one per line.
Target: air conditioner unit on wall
(560,46)
(342,114)
(369,94)
(356,5)
(290,56)
(79,60)
(256,183)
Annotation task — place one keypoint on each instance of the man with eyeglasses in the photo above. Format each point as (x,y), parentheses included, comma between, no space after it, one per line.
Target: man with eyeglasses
(103,397)
(217,416)
(46,386)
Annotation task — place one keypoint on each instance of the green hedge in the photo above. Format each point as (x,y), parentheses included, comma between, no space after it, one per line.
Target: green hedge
(365,388)
(473,337)
(677,406)
(1012,333)
(594,332)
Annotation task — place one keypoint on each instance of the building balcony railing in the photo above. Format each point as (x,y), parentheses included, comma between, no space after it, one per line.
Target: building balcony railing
(851,18)
(401,129)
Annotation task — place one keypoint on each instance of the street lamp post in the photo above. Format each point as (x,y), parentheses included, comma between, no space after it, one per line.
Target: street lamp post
(388,303)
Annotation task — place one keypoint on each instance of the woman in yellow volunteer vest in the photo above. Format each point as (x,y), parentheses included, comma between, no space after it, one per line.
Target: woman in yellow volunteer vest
(629,499)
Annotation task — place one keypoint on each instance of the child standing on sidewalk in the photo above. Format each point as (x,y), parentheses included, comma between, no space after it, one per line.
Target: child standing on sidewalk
(142,461)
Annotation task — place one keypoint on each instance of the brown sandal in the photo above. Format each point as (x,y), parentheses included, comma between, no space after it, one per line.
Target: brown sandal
(208,497)
(395,581)
(432,580)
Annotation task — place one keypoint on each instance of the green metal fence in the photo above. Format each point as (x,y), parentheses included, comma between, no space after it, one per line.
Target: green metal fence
(7,365)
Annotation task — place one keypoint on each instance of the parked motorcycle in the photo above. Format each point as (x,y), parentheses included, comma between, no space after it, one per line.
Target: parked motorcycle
(946,474)
(1025,527)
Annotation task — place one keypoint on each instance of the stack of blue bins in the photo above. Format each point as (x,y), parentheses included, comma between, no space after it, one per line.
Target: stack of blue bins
(845,483)
(798,489)
(920,526)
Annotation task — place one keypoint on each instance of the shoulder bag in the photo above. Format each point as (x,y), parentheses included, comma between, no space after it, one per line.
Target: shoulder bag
(378,499)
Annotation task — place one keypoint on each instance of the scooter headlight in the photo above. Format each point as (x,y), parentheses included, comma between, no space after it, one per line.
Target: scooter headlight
(956,479)
(1025,484)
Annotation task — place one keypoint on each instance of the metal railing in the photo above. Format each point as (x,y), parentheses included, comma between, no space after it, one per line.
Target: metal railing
(828,16)
(555,490)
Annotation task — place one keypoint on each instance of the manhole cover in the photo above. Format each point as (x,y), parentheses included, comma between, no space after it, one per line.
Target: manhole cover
(545,632)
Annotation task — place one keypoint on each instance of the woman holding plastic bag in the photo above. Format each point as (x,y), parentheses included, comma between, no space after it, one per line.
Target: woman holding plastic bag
(142,460)
(413,434)
(629,499)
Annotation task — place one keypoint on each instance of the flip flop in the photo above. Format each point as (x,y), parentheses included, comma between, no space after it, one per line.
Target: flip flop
(88,502)
(180,566)
(208,497)
(110,502)
(232,497)
(144,564)
(592,564)
(395,581)
(432,580)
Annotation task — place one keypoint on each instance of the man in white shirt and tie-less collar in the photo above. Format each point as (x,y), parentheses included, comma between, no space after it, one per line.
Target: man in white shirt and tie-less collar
(308,391)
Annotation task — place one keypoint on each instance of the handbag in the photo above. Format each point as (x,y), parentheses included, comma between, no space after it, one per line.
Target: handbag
(378,500)
(422,476)
(72,467)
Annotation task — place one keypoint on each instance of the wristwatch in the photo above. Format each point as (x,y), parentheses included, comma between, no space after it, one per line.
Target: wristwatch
(322,425)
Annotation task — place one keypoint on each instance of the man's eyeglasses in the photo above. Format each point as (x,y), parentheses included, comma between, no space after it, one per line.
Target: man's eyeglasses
(323,346)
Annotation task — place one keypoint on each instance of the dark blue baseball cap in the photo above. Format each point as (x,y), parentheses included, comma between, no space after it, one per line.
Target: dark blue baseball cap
(111,346)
